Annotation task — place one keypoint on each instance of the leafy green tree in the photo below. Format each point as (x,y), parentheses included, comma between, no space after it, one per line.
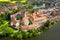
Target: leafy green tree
(47,24)
(42,28)
(25,34)
(35,32)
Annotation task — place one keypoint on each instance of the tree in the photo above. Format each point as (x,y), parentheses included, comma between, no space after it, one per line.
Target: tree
(47,24)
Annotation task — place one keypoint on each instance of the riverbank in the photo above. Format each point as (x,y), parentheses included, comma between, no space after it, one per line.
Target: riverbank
(43,36)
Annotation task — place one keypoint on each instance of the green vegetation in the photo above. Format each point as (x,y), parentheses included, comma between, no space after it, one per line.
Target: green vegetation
(48,25)
(7,30)
(19,17)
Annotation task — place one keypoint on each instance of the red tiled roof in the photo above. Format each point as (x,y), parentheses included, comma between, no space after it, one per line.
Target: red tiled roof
(29,26)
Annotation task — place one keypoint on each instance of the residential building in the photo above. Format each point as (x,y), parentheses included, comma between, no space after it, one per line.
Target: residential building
(38,18)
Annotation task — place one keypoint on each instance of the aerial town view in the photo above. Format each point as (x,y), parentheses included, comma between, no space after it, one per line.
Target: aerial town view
(28,19)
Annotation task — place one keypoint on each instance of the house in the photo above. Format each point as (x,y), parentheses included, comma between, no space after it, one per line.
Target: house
(47,12)
(21,5)
(15,7)
(12,6)
(1,12)
(29,27)
(25,20)
(14,21)
(38,18)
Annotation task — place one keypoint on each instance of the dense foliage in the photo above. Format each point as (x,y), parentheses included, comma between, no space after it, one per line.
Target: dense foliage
(7,30)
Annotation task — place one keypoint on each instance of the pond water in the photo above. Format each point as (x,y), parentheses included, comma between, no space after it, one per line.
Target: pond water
(52,34)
